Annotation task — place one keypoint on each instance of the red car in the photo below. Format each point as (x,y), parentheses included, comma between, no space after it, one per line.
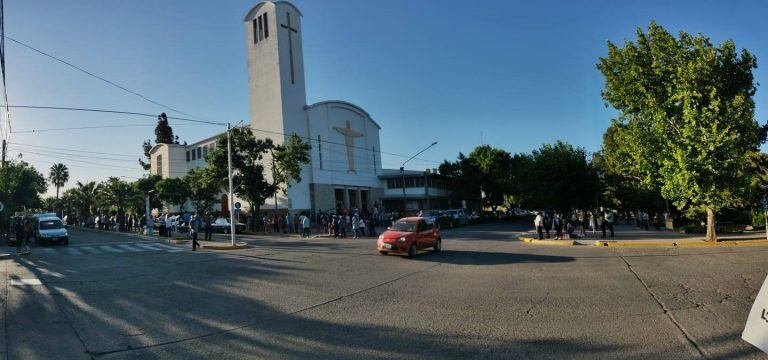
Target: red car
(409,235)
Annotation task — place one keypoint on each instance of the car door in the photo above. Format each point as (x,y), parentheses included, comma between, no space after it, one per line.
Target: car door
(424,235)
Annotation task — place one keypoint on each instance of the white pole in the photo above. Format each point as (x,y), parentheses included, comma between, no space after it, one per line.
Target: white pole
(231,197)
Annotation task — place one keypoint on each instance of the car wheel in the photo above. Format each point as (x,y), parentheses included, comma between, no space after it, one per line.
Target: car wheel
(226,231)
(412,251)
(383,253)
(438,245)
(66,242)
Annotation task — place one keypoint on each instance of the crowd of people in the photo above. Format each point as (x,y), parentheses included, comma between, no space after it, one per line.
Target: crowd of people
(575,224)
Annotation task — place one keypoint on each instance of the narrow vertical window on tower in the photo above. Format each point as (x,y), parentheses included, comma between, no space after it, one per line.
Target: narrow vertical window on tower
(266,26)
(261,30)
(255,31)
(320,151)
(374,159)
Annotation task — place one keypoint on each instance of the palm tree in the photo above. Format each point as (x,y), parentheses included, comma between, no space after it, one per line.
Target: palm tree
(59,176)
(119,194)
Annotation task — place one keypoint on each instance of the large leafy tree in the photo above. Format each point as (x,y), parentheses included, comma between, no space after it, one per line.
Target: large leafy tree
(172,191)
(556,176)
(20,187)
(203,189)
(494,167)
(82,198)
(59,176)
(686,118)
(118,195)
(145,185)
(253,179)
(462,175)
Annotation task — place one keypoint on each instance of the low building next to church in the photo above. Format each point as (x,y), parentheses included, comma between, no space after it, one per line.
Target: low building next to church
(345,171)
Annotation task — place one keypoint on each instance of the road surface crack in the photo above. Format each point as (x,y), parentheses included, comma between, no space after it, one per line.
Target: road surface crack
(666,311)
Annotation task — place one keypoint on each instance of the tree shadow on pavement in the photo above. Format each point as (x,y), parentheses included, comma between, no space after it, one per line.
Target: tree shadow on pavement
(462,257)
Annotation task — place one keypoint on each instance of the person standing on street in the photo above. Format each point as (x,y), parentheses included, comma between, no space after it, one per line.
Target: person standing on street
(538,222)
(557,223)
(305,226)
(601,222)
(194,229)
(208,227)
(593,221)
(547,223)
(609,219)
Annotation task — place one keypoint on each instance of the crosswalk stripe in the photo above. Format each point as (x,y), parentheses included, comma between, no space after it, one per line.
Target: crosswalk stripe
(130,248)
(91,250)
(73,251)
(110,248)
(170,248)
(149,247)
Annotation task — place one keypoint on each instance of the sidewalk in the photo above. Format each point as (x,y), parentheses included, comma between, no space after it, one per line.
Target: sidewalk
(630,233)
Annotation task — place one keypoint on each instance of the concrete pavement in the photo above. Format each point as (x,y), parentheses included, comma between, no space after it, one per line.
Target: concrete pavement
(485,296)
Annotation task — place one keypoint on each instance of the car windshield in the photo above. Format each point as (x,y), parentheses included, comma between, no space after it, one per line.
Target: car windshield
(404,226)
(51,224)
(221,221)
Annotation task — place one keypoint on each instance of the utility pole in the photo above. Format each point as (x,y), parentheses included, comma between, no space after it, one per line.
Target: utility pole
(4,150)
(232,228)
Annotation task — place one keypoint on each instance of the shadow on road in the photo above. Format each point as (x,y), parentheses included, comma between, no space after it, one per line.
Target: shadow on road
(462,257)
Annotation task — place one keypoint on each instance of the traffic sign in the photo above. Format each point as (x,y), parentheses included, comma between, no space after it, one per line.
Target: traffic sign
(237,205)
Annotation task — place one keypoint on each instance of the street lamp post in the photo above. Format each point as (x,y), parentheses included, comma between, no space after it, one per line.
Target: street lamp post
(148,215)
(402,172)
(232,227)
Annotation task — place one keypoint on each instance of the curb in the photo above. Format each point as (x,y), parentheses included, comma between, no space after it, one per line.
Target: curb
(548,242)
(237,246)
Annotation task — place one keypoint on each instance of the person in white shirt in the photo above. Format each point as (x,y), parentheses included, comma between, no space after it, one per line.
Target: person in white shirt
(538,222)
(305,224)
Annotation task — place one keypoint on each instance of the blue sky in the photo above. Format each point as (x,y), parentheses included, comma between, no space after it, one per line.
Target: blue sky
(521,73)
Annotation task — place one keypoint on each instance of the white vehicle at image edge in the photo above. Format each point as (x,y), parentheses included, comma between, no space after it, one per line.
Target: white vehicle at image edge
(49,229)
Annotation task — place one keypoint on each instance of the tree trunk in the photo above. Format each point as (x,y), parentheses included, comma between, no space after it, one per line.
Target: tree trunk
(711,236)
(254,212)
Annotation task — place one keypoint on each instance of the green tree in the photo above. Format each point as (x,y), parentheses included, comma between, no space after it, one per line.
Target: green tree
(172,191)
(251,182)
(21,188)
(203,190)
(118,195)
(164,131)
(686,117)
(462,175)
(59,176)
(556,176)
(146,147)
(494,169)
(145,185)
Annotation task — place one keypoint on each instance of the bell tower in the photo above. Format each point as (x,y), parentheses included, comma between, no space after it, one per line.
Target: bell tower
(277,96)
(276,69)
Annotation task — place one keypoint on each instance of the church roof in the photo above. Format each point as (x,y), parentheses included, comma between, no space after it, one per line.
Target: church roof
(348,104)
(255,9)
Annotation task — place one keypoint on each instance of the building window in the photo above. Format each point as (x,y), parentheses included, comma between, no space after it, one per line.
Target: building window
(199,153)
(260,28)
(320,151)
(187,155)
(193,155)
(374,158)
(205,151)
(266,26)
(159,169)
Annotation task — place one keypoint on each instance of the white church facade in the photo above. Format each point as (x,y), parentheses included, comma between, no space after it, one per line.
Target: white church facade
(345,171)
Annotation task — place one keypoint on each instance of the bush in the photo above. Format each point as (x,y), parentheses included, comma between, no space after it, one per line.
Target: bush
(758,218)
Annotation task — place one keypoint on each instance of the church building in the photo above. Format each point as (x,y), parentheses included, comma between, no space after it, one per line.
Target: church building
(345,171)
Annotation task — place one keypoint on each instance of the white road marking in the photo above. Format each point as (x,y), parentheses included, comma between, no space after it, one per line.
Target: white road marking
(111,249)
(149,247)
(18,282)
(130,248)
(73,251)
(91,250)
(169,248)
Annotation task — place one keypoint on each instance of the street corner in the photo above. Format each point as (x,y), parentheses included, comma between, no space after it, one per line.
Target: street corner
(221,246)
(531,240)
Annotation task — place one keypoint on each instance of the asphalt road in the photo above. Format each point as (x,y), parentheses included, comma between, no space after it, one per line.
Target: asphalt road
(485,296)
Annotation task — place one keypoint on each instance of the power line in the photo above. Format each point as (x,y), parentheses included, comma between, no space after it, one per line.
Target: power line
(57,148)
(80,161)
(95,127)
(97,76)
(23,148)
(111,112)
